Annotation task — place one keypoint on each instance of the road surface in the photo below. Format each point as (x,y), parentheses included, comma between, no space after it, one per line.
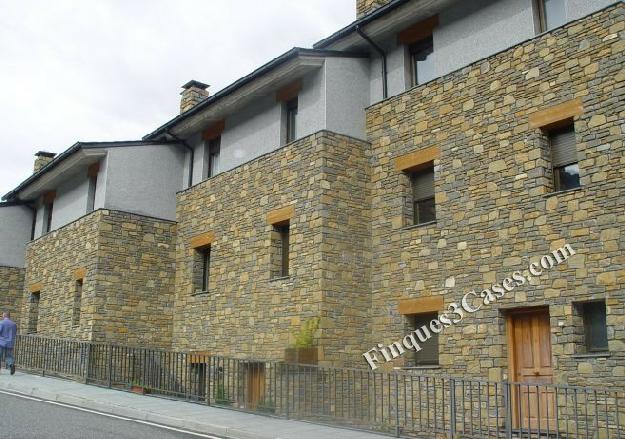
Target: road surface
(24,417)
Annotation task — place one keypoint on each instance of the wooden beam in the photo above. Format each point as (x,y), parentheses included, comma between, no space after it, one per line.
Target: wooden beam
(421,305)
(418,31)
(280,216)
(214,130)
(198,357)
(414,160)
(36,287)
(93,170)
(49,197)
(289,92)
(80,273)
(202,240)
(557,114)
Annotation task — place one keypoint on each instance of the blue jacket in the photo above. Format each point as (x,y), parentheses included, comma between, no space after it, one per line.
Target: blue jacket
(8,331)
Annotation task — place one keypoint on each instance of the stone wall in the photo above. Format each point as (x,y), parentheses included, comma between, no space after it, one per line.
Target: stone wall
(363,7)
(246,313)
(495,203)
(11,286)
(126,264)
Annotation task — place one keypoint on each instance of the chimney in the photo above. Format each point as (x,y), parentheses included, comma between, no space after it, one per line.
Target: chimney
(364,7)
(42,159)
(194,92)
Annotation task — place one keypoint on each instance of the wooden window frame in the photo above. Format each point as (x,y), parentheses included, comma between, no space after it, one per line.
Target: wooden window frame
(285,236)
(566,125)
(540,16)
(584,311)
(33,304)
(417,321)
(78,292)
(291,110)
(205,253)
(212,149)
(417,49)
(48,209)
(418,202)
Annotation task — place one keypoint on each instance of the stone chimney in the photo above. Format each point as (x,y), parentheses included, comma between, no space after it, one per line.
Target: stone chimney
(42,159)
(194,92)
(363,7)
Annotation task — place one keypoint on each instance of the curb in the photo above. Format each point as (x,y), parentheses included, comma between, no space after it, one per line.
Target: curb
(113,409)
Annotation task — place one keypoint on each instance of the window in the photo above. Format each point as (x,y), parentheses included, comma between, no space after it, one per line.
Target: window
(47,216)
(419,53)
(428,355)
(33,312)
(424,208)
(77,302)
(595,329)
(201,269)
(280,250)
(93,182)
(205,253)
(549,14)
(291,120)
(212,150)
(564,158)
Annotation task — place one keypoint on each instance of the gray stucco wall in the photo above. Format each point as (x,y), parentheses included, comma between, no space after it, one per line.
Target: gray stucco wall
(15,228)
(144,179)
(467,32)
(71,200)
(347,95)
(333,97)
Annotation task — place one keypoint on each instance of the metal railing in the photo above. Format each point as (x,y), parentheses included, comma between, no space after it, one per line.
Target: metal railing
(399,403)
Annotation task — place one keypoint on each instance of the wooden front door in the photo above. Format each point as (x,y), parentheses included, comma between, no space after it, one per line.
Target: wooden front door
(255,384)
(533,406)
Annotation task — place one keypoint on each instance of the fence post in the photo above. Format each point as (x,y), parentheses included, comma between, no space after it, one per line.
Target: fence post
(207,378)
(452,408)
(396,406)
(87,361)
(287,390)
(109,379)
(507,397)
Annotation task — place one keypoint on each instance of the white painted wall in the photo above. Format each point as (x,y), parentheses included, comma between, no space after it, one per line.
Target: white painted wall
(15,227)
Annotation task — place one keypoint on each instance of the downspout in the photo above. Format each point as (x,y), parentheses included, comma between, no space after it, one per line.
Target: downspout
(191,158)
(382,55)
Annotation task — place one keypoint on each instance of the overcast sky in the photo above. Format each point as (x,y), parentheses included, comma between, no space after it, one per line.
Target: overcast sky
(112,69)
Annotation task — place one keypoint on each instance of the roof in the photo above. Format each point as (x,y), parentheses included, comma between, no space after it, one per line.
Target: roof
(266,68)
(10,196)
(365,19)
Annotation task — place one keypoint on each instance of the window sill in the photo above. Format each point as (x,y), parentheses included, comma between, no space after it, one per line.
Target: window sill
(277,279)
(593,355)
(566,191)
(432,366)
(418,226)
(200,293)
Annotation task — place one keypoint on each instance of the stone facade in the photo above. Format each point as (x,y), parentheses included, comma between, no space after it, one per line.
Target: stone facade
(322,180)
(126,265)
(11,286)
(495,205)
(363,7)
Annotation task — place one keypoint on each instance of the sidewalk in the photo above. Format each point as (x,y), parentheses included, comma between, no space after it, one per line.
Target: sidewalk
(178,414)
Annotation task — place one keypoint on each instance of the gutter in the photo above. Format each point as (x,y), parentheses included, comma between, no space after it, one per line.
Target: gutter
(382,55)
(191,157)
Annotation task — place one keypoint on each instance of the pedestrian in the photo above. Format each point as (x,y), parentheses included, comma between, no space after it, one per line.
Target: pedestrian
(8,331)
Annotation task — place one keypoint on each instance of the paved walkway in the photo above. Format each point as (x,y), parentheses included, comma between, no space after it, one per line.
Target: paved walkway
(179,414)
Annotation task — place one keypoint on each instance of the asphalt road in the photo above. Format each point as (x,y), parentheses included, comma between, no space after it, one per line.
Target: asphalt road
(24,417)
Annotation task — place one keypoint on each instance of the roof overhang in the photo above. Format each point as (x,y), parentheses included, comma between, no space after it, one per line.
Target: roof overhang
(383,23)
(262,82)
(69,167)
(70,162)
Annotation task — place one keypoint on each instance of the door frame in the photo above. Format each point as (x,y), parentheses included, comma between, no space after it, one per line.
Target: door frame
(512,370)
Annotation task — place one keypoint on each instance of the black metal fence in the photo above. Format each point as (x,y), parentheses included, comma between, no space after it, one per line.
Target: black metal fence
(401,403)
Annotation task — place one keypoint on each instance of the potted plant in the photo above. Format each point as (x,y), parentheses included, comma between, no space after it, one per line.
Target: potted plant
(304,350)
(136,387)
